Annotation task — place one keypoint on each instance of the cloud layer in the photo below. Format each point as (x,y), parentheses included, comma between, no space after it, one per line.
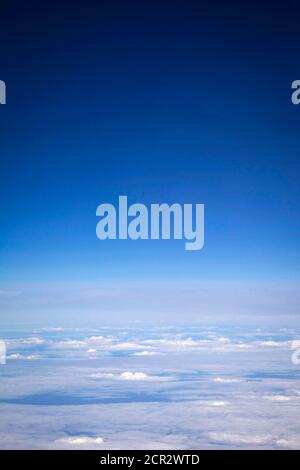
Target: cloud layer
(150,387)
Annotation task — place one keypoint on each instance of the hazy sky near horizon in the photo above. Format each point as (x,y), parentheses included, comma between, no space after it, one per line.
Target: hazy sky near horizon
(143,302)
(187,104)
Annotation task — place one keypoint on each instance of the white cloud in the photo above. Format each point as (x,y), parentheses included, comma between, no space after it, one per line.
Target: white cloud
(292,443)
(274,344)
(17,356)
(135,376)
(131,376)
(34,340)
(243,346)
(277,398)
(295,344)
(103,375)
(225,380)
(229,438)
(99,343)
(218,403)
(80,441)
(214,343)
(31,341)
(146,353)
(178,343)
(127,346)
(98,339)
(230,347)
(190,399)
(223,339)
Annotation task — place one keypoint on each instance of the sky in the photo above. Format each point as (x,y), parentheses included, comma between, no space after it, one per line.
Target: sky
(182,102)
(120,344)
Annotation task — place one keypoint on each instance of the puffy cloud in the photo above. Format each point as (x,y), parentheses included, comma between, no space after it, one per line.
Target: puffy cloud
(16,356)
(99,343)
(135,376)
(212,342)
(34,340)
(131,376)
(223,339)
(30,341)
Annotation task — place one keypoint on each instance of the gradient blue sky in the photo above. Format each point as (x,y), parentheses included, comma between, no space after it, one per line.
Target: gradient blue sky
(161,101)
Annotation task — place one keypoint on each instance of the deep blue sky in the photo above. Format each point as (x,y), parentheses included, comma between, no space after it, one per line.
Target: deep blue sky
(165,102)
